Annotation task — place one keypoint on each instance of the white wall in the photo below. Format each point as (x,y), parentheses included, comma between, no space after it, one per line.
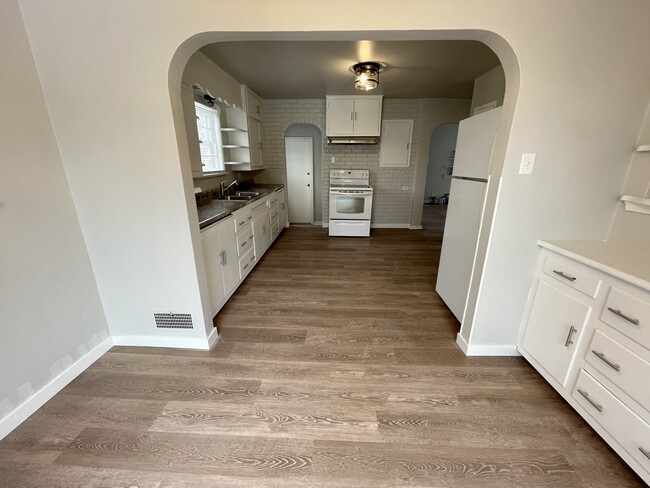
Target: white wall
(489,86)
(51,312)
(577,93)
(630,226)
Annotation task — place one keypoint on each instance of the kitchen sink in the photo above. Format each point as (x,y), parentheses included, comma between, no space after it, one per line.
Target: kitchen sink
(238,197)
(250,194)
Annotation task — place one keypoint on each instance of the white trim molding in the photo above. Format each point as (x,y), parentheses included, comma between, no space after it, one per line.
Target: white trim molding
(165,341)
(486,349)
(38,399)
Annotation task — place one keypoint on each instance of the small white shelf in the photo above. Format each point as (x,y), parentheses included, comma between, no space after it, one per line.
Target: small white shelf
(234,146)
(237,162)
(232,129)
(643,148)
(636,204)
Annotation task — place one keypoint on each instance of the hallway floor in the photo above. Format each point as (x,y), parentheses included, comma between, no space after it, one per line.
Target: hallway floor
(336,367)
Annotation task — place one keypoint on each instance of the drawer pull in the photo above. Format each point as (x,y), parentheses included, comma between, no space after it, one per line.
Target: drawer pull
(601,356)
(593,403)
(244,243)
(565,276)
(645,452)
(249,218)
(245,266)
(569,337)
(241,223)
(623,316)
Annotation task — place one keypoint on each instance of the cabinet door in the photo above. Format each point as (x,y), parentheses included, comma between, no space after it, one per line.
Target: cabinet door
(229,259)
(395,145)
(253,104)
(367,116)
(258,235)
(340,117)
(255,142)
(282,209)
(213,269)
(554,328)
(266,229)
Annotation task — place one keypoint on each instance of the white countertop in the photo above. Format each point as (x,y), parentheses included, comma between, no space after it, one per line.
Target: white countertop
(624,260)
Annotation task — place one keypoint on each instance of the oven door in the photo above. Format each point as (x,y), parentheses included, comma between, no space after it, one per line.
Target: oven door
(345,205)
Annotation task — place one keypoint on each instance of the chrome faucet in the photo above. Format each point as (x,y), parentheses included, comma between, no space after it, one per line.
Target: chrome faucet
(224,188)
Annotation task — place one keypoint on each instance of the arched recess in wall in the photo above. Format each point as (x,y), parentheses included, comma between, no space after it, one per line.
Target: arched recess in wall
(493,40)
(310,130)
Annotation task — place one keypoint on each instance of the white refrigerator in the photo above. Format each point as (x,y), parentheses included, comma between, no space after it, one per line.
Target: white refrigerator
(474,148)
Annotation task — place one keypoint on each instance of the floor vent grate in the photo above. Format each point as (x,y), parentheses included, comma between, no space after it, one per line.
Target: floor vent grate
(173,320)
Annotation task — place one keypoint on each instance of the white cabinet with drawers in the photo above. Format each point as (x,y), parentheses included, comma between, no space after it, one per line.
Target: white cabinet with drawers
(586,329)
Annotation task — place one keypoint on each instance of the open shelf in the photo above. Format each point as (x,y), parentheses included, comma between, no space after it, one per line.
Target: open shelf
(636,204)
(232,129)
(643,148)
(234,146)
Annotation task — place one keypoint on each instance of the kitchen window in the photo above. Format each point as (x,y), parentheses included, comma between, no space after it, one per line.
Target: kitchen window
(208,123)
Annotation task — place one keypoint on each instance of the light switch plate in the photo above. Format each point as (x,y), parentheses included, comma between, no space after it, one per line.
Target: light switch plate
(527,163)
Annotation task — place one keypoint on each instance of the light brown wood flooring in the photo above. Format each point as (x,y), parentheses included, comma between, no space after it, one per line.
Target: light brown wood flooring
(337,367)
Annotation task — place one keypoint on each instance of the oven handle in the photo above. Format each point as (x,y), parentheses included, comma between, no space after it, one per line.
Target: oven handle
(360,194)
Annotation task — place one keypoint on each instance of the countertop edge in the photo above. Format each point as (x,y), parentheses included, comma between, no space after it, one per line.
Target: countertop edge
(595,259)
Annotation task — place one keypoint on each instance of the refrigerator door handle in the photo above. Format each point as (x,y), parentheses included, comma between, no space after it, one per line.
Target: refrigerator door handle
(469,178)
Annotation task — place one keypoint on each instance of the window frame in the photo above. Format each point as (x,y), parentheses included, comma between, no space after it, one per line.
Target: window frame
(210,147)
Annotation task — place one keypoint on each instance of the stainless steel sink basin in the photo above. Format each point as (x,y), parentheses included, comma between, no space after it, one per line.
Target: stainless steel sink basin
(250,194)
(238,197)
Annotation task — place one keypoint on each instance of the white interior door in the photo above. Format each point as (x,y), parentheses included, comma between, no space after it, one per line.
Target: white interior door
(299,154)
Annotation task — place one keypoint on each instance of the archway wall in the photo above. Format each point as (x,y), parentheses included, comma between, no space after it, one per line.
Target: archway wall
(576,91)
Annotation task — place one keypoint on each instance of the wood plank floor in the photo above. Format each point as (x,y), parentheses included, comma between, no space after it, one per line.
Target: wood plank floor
(337,367)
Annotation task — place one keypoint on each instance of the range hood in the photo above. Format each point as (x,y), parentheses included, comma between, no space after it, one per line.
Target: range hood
(353,139)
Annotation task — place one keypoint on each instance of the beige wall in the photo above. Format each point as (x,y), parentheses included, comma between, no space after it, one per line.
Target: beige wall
(577,93)
(489,86)
(51,312)
(631,226)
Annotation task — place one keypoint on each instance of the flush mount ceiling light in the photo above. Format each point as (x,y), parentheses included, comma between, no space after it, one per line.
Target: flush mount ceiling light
(366,75)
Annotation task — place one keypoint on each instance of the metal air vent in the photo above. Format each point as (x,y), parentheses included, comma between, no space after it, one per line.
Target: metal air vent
(172,320)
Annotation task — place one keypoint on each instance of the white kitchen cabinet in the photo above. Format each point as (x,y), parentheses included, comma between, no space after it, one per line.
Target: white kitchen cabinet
(220,255)
(282,208)
(256,143)
(252,103)
(353,115)
(395,145)
(586,330)
(555,326)
(261,227)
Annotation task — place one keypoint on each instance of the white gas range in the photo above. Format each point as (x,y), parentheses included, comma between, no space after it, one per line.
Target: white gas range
(350,203)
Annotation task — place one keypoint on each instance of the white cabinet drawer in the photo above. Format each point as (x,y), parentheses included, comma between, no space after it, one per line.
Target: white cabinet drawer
(246,263)
(244,241)
(260,208)
(620,365)
(571,276)
(629,315)
(555,326)
(243,218)
(629,430)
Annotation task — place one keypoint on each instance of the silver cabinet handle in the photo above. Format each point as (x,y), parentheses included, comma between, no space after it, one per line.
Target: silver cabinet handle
(249,218)
(222,257)
(601,356)
(645,452)
(245,266)
(351,115)
(593,403)
(623,316)
(241,223)
(569,337)
(251,238)
(244,243)
(563,275)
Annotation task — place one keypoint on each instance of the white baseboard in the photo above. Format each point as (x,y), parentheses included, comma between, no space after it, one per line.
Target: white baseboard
(390,226)
(164,341)
(415,227)
(486,349)
(213,338)
(38,399)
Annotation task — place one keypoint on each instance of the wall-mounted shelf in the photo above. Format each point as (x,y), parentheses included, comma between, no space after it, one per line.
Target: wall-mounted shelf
(234,146)
(232,129)
(643,148)
(636,204)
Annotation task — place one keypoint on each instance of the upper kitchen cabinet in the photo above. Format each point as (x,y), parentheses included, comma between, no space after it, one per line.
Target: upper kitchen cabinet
(396,143)
(252,103)
(353,115)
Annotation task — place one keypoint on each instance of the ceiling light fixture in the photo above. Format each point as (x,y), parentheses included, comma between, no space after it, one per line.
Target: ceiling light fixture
(366,75)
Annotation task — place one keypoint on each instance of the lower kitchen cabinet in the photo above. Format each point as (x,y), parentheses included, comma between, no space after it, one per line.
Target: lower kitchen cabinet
(221,263)
(282,209)
(555,326)
(232,247)
(586,330)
